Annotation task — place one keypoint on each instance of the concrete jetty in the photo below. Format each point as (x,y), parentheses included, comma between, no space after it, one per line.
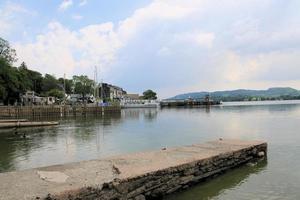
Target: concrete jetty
(19,124)
(137,176)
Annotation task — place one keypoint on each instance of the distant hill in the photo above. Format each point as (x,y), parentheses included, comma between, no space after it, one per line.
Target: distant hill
(242,94)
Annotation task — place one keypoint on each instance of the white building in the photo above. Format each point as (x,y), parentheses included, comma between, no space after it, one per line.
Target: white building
(30,98)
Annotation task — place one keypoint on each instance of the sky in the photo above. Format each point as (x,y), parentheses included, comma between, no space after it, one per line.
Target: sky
(169,46)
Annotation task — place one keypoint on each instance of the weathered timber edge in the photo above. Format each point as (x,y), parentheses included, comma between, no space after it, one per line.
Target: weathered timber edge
(138,176)
(56,111)
(26,124)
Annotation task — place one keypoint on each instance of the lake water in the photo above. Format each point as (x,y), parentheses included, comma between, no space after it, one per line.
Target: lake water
(278,123)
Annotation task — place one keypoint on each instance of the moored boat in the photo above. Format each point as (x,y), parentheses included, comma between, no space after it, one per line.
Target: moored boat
(139,104)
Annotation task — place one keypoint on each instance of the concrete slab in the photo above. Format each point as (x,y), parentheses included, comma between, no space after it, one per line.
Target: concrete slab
(70,178)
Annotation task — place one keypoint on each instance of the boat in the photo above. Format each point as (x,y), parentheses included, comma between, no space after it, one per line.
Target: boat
(139,104)
(207,101)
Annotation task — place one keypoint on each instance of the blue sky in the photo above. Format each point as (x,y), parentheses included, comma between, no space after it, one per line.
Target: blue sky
(170,46)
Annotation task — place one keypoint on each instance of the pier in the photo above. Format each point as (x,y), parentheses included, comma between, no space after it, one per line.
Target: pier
(56,111)
(137,176)
(189,102)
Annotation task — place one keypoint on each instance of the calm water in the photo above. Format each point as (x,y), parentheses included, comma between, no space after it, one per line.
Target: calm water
(136,130)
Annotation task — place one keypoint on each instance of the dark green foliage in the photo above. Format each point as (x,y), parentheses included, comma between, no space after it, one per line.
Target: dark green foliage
(149,94)
(50,83)
(10,82)
(16,81)
(31,80)
(68,84)
(83,85)
(6,52)
(56,93)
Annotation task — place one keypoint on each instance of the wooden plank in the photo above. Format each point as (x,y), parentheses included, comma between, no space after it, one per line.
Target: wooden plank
(26,124)
(13,120)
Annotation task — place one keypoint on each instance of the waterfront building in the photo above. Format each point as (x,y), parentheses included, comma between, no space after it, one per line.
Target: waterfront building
(111,92)
(78,99)
(131,96)
(31,98)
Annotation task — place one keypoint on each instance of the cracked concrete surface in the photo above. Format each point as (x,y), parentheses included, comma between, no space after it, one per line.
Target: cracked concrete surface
(58,179)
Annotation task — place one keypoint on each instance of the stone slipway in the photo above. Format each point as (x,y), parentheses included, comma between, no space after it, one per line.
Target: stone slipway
(146,175)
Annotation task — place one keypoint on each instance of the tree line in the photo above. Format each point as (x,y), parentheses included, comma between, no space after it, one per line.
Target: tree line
(16,80)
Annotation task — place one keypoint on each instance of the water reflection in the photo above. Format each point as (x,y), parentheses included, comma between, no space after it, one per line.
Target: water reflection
(148,114)
(271,108)
(132,130)
(15,147)
(85,138)
(24,148)
(217,186)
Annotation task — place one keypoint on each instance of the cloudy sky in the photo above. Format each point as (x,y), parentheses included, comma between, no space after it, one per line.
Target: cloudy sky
(170,46)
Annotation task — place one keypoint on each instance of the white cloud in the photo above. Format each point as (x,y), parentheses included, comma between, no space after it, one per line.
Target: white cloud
(234,71)
(190,42)
(157,11)
(65,5)
(59,48)
(11,15)
(236,68)
(62,51)
(164,51)
(205,39)
(272,66)
(83,2)
(77,17)
(196,37)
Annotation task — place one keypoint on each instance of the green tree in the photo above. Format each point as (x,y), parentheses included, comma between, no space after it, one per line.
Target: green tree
(25,77)
(6,52)
(49,83)
(37,81)
(56,93)
(149,94)
(10,83)
(68,84)
(3,90)
(31,80)
(83,85)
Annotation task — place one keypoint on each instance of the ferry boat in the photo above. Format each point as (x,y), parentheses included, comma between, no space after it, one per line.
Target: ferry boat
(207,101)
(139,103)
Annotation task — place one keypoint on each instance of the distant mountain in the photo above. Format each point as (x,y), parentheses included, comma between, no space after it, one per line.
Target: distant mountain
(242,94)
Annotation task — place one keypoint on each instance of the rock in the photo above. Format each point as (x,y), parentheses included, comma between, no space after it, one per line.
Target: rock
(116,170)
(140,197)
(53,176)
(250,164)
(261,154)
